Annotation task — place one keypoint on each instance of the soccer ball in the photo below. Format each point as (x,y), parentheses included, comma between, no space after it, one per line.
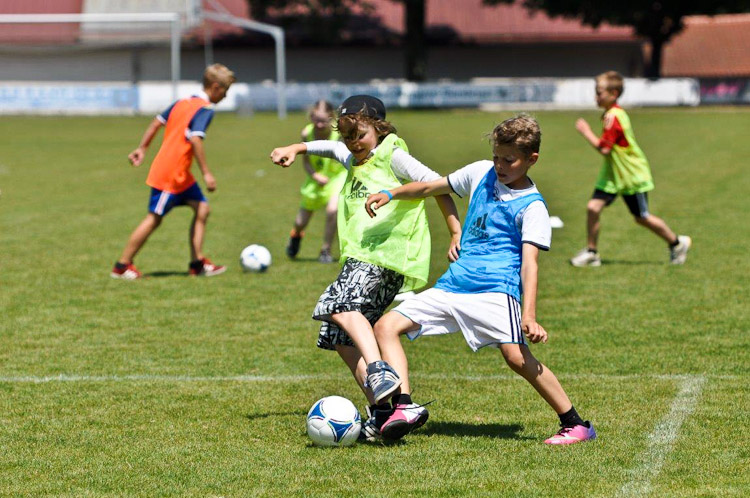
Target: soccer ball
(255,258)
(333,421)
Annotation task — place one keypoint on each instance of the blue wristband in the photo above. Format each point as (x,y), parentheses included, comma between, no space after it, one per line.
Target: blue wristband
(390,196)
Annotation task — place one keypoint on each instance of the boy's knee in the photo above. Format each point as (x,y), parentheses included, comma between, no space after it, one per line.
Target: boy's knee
(391,324)
(515,358)
(594,207)
(203,210)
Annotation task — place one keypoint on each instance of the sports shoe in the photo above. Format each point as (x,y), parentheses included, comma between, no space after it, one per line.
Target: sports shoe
(571,435)
(678,253)
(586,258)
(206,269)
(325,257)
(371,427)
(292,247)
(382,379)
(127,272)
(405,418)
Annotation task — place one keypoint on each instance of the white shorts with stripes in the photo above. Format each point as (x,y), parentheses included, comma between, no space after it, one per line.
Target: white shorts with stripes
(486,319)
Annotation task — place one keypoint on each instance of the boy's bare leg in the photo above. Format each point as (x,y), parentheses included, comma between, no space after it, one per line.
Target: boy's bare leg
(360,331)
(519,358)
(139,237)
(330,228)
(302,219)
(594,210)
(388,332)
(357,366)
(198,228)
(659,227)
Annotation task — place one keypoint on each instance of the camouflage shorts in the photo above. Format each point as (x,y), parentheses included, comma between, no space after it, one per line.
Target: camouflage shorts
(362,287)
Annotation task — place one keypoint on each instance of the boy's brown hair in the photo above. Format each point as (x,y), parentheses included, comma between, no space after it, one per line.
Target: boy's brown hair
(521,131)
(218,73)
(348,125)
(322,105)
(612,81)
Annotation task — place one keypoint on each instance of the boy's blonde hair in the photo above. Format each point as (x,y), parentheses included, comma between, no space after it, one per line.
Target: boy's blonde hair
(521,131)
(612,80)
(348,125)
(218,73)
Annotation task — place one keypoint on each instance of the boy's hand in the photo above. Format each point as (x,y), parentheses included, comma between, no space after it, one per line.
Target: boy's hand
(455,248)
(319,179)
(136,157)
(283,156)
(375,201)
(533,331)
(583,126)
(210,181)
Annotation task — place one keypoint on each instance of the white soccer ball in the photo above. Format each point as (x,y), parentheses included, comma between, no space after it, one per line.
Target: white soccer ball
(255,258)
(333,421)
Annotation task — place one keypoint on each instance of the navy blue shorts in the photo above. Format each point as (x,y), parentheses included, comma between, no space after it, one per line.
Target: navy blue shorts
(637,203)
(162,202)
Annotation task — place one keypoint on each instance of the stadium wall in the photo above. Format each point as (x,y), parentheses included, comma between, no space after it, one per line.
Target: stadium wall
(486,93)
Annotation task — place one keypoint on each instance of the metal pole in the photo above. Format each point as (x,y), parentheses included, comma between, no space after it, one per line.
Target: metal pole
(175,56)
(278,36)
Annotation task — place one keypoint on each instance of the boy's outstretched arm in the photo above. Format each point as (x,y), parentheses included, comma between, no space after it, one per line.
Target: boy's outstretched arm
(285,156)
(413,190)
(199,153)
(450,213)
(136,157)
(529,279)
(584,129)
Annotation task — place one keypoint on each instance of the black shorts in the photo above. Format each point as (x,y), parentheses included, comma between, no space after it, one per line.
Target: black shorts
(637,203)
(362,287)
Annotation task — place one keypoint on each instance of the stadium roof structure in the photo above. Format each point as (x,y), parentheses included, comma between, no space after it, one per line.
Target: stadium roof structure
(710,47)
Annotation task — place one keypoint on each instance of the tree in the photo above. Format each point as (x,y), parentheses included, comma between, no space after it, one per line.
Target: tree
(325,20)
(658,21)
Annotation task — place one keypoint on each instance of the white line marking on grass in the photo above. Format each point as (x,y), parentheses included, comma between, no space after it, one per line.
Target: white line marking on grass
(35,379)
(662,438)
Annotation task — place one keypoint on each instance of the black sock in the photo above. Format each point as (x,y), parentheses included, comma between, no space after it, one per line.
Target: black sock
(197,264)
(401,399)
(592,251)
(570,418)
(674,244)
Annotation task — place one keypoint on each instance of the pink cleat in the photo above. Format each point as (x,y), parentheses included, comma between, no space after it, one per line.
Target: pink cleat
(571,435)
(405,418)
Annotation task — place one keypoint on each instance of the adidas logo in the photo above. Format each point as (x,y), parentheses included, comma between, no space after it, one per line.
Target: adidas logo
(358,191)
(479,228)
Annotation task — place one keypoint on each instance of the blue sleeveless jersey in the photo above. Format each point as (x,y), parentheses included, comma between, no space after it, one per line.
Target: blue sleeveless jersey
(490,259)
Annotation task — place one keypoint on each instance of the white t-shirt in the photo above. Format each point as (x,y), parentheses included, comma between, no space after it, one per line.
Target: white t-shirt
(533,222)
(405,167)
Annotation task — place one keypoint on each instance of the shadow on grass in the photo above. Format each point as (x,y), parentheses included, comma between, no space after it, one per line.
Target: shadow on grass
(631,263)
(160,274)
(257,416)
(499,431)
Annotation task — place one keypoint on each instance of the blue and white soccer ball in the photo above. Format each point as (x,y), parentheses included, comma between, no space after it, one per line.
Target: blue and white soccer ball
(255,258)
(333,421)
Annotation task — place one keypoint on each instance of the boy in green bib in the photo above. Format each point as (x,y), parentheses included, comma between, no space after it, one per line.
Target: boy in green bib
(381,256)
(322,186)
(625,172)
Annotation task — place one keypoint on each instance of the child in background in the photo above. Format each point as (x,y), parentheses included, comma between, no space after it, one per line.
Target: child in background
(506,225)
(380,256)
(625,172)
(323,184)
(170,180)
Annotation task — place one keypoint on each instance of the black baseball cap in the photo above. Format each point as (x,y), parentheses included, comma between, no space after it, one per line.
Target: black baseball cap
(367,104)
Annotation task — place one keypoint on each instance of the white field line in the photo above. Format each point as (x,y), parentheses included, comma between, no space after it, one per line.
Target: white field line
(662,438)
(35,379)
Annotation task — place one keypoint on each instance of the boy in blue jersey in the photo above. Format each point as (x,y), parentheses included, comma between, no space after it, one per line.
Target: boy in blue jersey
(506,225)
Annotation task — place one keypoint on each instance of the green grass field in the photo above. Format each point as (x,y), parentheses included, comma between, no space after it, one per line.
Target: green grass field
(177,386)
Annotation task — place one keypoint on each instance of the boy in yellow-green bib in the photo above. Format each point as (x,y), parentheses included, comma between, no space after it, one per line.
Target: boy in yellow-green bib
(381,256)
(322,186)
(625,172)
